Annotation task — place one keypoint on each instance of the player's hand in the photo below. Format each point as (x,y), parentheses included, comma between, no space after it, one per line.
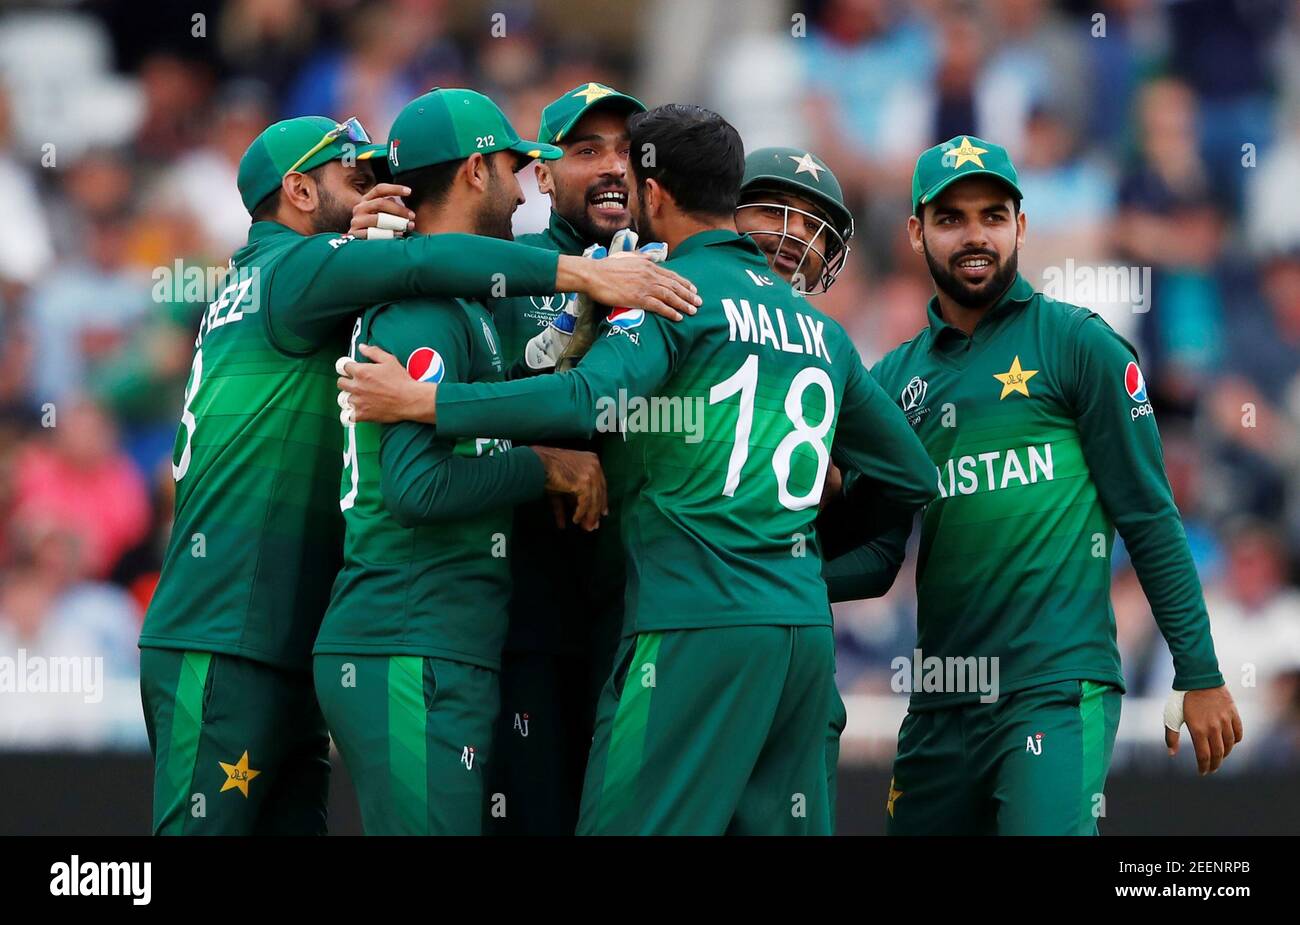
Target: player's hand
(1214,724)
(576,473)
(634,281)
(624,243)
(381,391)
(382,200)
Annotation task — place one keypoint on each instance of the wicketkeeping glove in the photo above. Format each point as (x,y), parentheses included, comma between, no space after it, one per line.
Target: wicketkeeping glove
(573,330)
(545,350)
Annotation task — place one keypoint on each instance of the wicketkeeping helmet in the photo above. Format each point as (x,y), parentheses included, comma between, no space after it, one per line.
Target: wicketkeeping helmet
(790,170)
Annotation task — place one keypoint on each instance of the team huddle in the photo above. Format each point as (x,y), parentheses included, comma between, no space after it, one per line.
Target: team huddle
(420,510)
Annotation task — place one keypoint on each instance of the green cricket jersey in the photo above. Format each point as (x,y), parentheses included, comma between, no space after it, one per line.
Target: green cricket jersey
(728,416)
(521,318)
(1044,443)
(426,567)
(257,535)
(548,611)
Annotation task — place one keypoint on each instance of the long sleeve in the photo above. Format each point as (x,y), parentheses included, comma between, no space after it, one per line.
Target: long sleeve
(889,475)
(566,404)
(327,280)
(423,481)
(422,478)
(873,436)
(867,571)
(1121,445)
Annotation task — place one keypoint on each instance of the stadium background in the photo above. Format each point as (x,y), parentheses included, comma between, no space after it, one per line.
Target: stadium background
(1171,142)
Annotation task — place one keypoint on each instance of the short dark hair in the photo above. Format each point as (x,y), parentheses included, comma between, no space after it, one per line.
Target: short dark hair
(431,184)
(265,210)
(693,153)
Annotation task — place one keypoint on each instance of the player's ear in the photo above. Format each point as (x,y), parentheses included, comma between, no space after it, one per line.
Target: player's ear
(545,185)
(299,190)
(652,194)
(1021,222)
(476,171)
(914,232)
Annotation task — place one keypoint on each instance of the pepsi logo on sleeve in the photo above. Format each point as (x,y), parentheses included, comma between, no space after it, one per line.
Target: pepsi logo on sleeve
(425,365)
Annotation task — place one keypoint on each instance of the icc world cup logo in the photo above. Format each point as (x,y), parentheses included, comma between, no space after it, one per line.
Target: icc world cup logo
(914,393)
(549,303)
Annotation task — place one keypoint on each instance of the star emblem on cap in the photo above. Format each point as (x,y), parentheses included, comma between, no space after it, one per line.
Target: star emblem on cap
(967,152)
(592,92)
(807,165)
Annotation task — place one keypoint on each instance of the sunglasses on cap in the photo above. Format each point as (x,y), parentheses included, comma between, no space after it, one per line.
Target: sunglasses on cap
(351,128)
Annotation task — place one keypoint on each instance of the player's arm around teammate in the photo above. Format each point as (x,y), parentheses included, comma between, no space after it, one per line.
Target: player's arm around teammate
(877,436)
(407,659)
(638,282)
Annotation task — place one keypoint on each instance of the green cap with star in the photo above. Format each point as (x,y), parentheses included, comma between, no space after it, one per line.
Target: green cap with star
(563,114)
(803,174)
(449,124)
(964,156)
(300,144)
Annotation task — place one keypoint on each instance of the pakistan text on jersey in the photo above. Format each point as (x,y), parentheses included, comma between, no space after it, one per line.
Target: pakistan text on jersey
(745,325)
(1000,468)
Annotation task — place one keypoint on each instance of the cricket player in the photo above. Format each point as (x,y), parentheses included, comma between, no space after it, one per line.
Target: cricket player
(564,619)
(792,206)
(238,739)
(564,622)
(714,720)
(409,651)
(1036,417)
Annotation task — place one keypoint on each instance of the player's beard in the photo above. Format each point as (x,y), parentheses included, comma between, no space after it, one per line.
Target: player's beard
(331,216)
(494,219)
(594,231)
(641,221)
(965,295)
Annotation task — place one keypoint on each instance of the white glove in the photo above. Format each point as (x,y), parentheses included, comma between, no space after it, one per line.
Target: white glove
(545,350)
(573,329)
(625,241)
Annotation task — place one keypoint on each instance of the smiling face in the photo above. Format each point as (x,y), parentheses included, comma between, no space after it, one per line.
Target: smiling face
(792,231)
(971,237)
(589,185)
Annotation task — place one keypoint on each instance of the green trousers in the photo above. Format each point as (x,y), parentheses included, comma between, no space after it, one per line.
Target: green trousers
(712,732)
(542,740)
(839,718)
(239,747)
(415,733)
(1033,762)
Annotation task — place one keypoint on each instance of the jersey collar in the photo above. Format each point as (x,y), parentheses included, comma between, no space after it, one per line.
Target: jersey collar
(261,230)
(712,237)
(1018,294)
(565,235)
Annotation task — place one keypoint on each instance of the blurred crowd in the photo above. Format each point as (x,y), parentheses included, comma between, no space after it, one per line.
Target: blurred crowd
(1158,135)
